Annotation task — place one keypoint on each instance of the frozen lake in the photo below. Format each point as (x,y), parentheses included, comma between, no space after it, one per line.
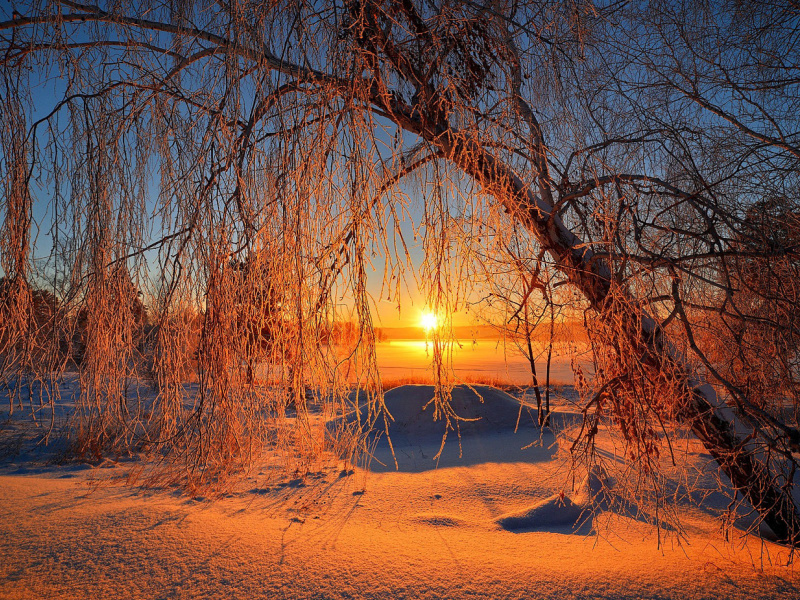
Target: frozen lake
(481,358)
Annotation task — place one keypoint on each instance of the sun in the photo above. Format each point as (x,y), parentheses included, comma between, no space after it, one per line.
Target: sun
(429,321)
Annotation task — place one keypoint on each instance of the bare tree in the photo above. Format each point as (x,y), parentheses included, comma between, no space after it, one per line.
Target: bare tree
(519,302)
(627,139)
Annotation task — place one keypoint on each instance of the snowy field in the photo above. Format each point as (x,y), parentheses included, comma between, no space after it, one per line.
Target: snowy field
(497,516)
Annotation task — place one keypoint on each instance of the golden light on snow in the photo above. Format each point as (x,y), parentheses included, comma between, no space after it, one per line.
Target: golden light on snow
(429,321)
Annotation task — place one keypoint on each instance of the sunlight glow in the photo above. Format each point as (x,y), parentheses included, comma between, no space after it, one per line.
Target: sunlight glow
(429,321)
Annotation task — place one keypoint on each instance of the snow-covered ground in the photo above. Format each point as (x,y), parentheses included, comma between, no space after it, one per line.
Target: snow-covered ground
(495,517)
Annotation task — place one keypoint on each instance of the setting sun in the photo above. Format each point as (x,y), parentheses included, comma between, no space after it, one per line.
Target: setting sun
(429,321)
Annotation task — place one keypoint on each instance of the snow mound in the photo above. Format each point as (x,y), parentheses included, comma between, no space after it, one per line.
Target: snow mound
(486,425)
(480,409)
(559,510)
(594,488)
(555,511)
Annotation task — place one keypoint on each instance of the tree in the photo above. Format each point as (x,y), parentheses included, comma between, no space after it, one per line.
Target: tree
(752,336)
(257,310)
(519,304)
(624,138)
(29,335)
(127,301)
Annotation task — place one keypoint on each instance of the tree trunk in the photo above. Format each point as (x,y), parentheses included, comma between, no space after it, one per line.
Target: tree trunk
(749,475)
(535,379)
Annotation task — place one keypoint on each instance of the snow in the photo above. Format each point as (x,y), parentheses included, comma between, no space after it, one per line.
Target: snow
(493,517)
(561,510)
(484,410)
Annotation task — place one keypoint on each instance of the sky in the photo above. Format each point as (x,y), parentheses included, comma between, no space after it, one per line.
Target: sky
(387,312)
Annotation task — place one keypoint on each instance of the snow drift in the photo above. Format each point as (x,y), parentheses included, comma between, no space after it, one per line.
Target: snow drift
(480,410)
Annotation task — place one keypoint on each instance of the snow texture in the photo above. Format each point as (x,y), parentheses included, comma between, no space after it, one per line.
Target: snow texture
(493,519)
